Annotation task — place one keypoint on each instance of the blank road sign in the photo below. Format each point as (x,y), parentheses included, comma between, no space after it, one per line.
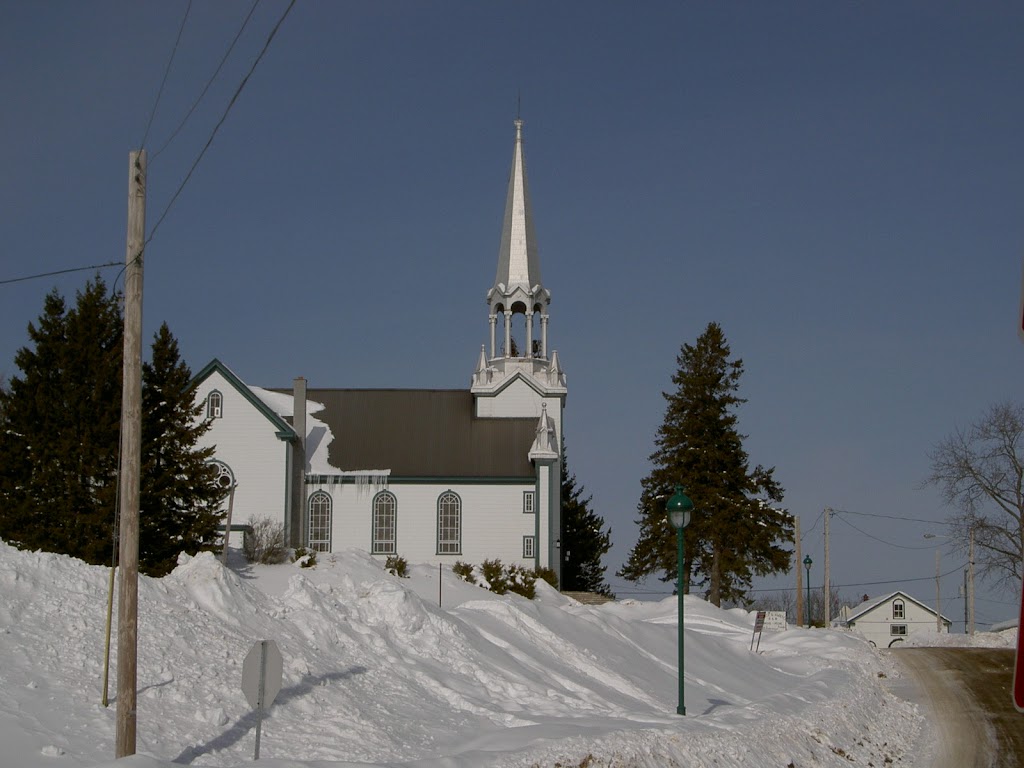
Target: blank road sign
(272,667)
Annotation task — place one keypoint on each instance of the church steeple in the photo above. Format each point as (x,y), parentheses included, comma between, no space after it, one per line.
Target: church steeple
(518,289)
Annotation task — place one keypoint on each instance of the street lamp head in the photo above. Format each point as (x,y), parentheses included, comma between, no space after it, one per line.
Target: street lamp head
(679,509)
(808,562)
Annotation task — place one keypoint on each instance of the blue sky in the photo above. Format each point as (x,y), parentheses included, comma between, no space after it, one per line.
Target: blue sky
(837,184)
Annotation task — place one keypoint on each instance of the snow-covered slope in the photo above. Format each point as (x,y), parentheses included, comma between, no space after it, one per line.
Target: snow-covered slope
(413,672)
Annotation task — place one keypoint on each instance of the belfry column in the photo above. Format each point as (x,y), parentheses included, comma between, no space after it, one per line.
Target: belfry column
(529,334)
(494,324)
(508,333)
(544,335)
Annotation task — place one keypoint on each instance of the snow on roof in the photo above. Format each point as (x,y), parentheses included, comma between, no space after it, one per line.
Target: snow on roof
(318,434)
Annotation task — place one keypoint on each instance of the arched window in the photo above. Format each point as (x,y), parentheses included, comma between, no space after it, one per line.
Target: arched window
(214,405)
(385,510)
(320,522)
(898,610)
(449,524)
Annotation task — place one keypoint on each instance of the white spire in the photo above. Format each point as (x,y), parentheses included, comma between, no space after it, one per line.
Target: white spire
(518,261)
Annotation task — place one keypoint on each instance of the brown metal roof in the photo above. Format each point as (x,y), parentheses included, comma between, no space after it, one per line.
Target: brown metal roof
(421,433)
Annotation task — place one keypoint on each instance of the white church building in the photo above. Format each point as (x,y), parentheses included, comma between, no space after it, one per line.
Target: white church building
(434,476)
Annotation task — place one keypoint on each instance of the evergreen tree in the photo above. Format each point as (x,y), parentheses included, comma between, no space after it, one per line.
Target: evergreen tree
(736,531)
(180,504)
(583,541)
(59,435)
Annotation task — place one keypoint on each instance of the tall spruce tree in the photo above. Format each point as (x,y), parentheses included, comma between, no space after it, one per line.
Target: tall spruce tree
(583,540)
(737,529)
(59,438)
(59,431)
(180,503)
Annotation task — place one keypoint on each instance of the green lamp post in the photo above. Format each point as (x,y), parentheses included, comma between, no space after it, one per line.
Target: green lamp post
(807,565)
(679,509)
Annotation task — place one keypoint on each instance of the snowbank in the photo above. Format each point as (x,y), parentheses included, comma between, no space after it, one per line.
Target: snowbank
(425,672)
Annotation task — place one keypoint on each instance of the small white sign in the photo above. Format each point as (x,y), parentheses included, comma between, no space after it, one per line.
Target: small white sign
(775,621)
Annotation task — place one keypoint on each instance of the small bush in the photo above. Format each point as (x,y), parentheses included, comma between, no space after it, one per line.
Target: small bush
(266,543)
(494,575)
(521,581)
(464,571)
(306,556)
(397,566)
(548,575)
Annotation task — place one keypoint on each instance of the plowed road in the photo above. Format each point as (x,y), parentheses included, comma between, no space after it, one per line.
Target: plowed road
(969,693)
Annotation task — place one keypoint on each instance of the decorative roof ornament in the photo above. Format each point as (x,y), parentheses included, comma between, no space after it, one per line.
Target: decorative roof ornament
(545,445)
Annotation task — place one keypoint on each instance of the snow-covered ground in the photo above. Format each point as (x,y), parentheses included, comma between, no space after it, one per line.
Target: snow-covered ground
(376,672)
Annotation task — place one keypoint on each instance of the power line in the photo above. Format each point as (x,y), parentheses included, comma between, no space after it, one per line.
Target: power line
(866,583)
(889,517)
(220,122)
(61,272)
(167,71)
(883,541)
(208,83)
(813,526)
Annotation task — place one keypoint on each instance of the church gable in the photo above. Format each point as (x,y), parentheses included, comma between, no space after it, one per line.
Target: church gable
(220,389)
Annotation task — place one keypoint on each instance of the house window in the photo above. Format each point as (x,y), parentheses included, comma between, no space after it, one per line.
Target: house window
(897,629)
(214,405)
(528,502)
(449,524)
(385,507)
(320,522)
(898,611)
(528,547)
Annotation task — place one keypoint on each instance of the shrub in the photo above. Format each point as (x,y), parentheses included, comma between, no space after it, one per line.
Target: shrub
(464,571)
(494,575)
(397,566)
(548,575)
(305,557)
(265,544)
(521,581)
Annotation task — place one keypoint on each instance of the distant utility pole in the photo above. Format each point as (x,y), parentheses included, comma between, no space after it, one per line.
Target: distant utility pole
(970,584)
(938,593)
(799,574)
(131,461)
(828,596)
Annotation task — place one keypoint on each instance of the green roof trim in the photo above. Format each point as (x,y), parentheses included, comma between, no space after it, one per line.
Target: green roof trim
(284,429)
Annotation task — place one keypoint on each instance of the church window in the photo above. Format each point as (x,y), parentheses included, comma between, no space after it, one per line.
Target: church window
(528,502)
(385,507)
(320,522)
(898,611)
(897,629)
(214,405)
(449,524)
(225,477)
(528,546)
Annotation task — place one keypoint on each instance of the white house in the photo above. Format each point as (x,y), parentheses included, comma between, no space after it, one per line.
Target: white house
(890,620)
(431,475)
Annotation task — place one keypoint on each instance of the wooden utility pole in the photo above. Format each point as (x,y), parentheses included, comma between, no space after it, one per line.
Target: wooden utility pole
(970,584)
(827,587)
(799,574)
(131,461)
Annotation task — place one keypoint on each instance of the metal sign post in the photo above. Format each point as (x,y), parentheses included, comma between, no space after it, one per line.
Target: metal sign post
(261,680)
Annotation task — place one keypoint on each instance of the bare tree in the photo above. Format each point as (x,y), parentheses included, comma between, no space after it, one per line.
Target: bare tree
(980,470)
